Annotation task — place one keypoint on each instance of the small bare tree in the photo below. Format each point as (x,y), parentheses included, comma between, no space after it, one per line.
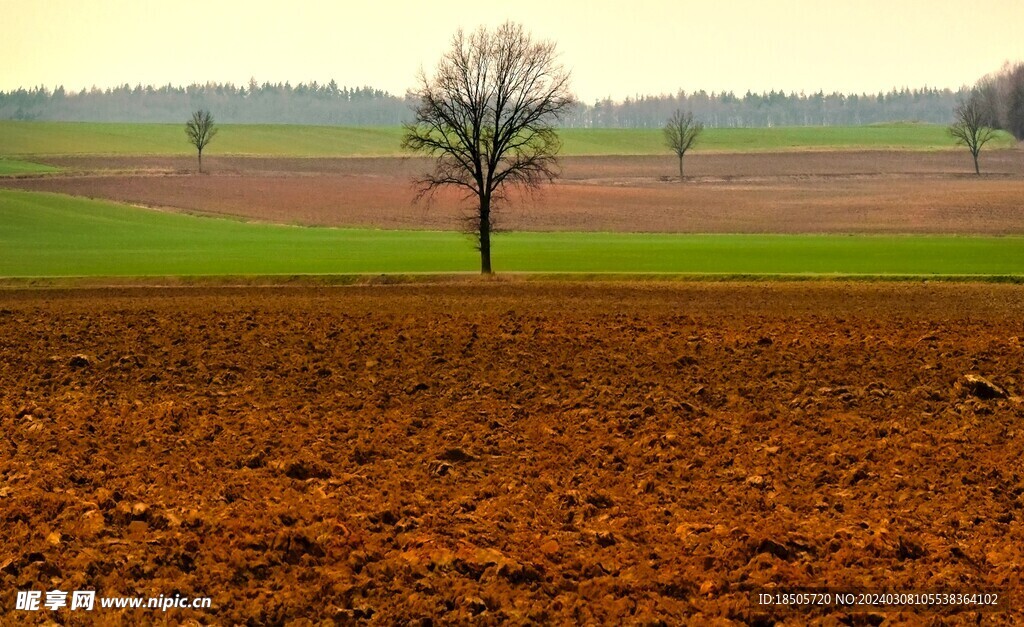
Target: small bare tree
(681,132)
(200,131)
(970,128)
(488,115)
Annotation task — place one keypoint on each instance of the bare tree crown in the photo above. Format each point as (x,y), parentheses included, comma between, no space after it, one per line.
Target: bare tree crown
(488,112)
(681,132)
(200,129)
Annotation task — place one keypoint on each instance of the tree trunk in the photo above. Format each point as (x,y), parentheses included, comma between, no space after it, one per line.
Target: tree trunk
(200,160)
(680,168)
(485,236)
(976,169)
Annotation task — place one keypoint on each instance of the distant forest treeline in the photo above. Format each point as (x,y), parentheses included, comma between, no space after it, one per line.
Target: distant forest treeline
(775,108)
(268,103)
(329,104)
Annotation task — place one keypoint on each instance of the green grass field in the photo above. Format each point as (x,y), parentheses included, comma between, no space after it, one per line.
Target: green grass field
(14,166)
(53,235)
(25,139)
(59,138)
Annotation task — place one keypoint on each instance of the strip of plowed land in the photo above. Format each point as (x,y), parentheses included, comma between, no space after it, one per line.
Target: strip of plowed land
(829,192)
(532,452)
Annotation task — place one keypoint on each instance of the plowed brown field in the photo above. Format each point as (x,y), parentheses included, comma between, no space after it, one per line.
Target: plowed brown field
(828,192)
(508,451)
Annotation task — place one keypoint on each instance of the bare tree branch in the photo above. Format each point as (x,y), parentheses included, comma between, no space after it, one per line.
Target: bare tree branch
(488,115)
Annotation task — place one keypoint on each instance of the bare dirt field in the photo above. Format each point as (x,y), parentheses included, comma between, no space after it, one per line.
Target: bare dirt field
(698,165)
(803,192)
(513,451)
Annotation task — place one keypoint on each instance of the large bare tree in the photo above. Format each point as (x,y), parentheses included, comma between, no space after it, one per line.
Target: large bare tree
(681,132)
(970,128)
(200,131)
(488,115)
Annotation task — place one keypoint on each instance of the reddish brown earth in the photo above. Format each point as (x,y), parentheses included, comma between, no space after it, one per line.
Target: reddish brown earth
(512,452)
(828,192)
(698,165)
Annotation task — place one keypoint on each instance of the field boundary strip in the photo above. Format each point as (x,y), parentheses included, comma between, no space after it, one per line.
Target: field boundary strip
(276,281)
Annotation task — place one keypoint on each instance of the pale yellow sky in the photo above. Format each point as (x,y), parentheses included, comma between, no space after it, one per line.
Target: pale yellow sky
(614,49)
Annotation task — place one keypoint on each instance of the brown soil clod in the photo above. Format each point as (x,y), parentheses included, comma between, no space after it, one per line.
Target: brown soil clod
(457,455)
(306,468)
(79,361)
(983,388)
